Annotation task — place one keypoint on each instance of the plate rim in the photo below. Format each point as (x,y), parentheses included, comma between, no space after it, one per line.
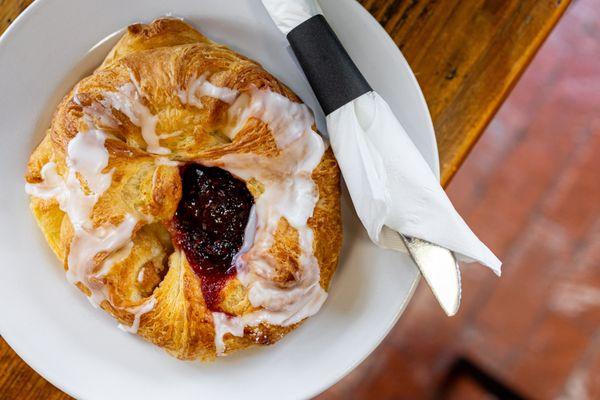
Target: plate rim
(38,5)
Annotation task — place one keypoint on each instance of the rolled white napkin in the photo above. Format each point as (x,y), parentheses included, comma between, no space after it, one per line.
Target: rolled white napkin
(392,187)
(289,14)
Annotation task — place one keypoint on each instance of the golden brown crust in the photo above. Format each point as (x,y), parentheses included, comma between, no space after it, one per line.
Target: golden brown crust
(163,56)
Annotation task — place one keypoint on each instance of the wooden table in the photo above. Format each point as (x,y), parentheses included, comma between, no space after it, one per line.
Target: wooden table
(466,54)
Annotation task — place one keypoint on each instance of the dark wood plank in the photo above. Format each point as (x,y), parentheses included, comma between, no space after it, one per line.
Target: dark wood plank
(466,54)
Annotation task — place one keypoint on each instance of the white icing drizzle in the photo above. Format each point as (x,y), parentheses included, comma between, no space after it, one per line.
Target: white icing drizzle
(165,161)
(290,193)
(105,119)
(223,325)
(115,258)
(137,315)
(288,121)
(169,135)
(86,158)
(140,277)
(198,87)
(128,101)
(249,233)
(97,111)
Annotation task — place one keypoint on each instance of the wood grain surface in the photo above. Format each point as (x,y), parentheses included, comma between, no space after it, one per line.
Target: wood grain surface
(466,54)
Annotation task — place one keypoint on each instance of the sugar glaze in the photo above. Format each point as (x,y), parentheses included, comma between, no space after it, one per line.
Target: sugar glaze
(88,157)
(290,193)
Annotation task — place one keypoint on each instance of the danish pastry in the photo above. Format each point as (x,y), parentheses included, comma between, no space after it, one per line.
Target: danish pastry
(188,194)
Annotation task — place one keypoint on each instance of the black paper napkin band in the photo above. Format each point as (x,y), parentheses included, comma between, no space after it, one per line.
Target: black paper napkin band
(332,74)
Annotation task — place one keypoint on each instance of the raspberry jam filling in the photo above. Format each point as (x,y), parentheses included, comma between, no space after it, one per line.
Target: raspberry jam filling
(209,225)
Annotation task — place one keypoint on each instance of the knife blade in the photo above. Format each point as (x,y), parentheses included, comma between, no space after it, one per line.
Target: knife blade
(440,270)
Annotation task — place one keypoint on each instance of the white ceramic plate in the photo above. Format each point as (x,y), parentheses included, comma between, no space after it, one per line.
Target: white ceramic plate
(52,326)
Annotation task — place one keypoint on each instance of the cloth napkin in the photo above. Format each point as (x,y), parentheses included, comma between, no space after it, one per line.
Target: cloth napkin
(391,185)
